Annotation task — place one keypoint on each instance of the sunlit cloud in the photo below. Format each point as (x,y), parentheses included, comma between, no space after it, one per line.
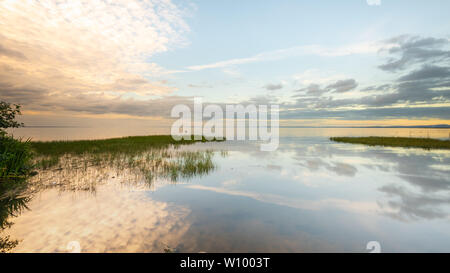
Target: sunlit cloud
(66,49)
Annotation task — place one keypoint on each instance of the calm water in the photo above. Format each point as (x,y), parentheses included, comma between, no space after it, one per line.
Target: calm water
(310,195)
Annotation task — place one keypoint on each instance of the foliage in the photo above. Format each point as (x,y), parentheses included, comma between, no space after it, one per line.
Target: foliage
(15,158)
(8,114)
(13,201)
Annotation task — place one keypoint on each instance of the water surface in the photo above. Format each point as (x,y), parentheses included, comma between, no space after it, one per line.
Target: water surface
(311,195)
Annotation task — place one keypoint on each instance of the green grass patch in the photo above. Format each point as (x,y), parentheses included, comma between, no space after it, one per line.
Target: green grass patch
(425,143)
(124,145)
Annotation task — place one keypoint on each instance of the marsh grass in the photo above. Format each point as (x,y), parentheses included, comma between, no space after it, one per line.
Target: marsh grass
(124,145)
(82,165)
(424,143)
(87,171)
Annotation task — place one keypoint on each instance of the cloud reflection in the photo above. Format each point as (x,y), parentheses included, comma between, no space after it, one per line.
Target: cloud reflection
(114,221)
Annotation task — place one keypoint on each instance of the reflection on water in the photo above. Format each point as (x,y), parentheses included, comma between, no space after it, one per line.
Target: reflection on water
(86,172)
(116,219)
(123,178)
(13,200)
(309,195)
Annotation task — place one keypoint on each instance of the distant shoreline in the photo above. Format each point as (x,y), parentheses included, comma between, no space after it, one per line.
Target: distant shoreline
(406,142)
(440,126)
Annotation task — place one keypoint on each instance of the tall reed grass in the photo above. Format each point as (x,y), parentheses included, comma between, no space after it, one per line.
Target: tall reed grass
(15,158)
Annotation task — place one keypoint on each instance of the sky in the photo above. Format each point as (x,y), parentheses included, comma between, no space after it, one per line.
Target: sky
(355,62)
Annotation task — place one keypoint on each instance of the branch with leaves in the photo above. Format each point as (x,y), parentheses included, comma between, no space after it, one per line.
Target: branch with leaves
(8,113)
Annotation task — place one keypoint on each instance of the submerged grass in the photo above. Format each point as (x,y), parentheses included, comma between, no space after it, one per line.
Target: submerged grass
(139,158)
(425,143)
(49,152)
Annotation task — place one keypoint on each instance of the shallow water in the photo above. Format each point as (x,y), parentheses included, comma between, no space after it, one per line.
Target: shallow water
(309,195)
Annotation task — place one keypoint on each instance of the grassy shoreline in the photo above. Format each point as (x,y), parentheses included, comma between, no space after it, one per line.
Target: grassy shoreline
(406,142)
(126,151)
(126,145)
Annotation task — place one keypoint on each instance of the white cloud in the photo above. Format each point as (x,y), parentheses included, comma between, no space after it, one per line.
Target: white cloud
(373,2)
(74,47)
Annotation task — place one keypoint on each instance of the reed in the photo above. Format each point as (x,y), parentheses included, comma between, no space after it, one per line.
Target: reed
(15,158)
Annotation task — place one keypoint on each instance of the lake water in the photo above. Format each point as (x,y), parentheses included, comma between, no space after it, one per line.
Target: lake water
(310,195)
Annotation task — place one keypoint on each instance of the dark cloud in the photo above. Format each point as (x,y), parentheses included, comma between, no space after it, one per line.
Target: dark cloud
(411,91)
(407,205)
(415,50)
(340,86)
(426,67)
(343,86)
(160,107)
(99,103)
(427,72)
(313,90)
(272,87)
(368,114)
(22,95)
(427,184)
(11,53)
(383,87)
(260,100)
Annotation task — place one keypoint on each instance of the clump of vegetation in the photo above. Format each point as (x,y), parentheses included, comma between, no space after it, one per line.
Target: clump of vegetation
(15,158)
(8,114)
(15,167)
(15,154)
(189,164)
(425,143)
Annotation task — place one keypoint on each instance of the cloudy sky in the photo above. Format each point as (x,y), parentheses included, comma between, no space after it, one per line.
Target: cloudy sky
(355,62)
